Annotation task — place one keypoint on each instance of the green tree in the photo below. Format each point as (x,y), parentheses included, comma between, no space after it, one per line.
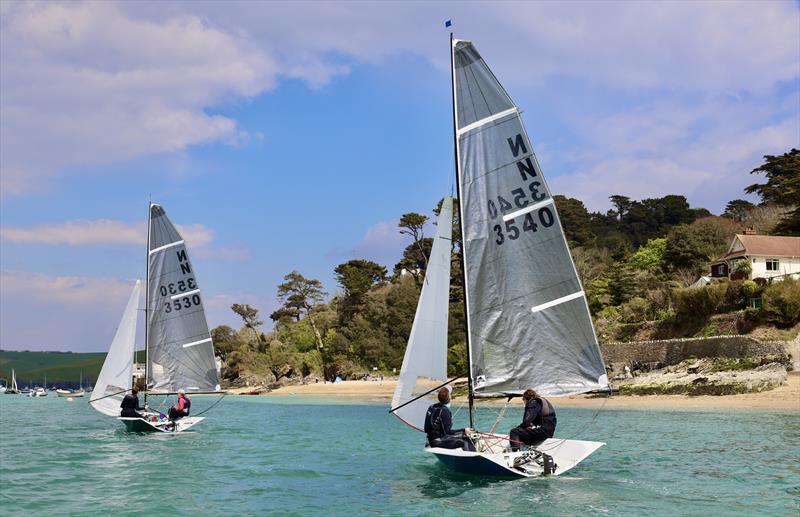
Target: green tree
(575,220)
(782,187)
(250,317)
(738,209)
(225,342)
(684,250)
(650,256)
(782,302)
(415,258)
(299,295)
(356,278)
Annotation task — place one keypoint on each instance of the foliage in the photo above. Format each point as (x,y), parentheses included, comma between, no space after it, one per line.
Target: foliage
(250,317)
(685,250)
(749,288)
(224,339)
(650,256)
(782,187)
(742,268)
(635,310)
(781,302)
(575,220)
(698,303)
(738,209)
(356,277)
(300,294)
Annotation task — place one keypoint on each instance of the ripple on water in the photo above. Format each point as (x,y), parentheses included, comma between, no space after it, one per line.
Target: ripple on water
(265,455)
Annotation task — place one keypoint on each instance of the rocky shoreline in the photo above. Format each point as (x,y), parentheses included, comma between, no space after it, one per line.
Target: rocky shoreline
(709,376)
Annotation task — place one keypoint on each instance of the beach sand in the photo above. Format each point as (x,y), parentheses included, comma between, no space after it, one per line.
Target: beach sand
(784,398)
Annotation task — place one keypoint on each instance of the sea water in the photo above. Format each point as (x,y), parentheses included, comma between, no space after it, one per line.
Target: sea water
(314,456)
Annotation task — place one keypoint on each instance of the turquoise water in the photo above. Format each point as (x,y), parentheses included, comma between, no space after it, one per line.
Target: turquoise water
(311,456)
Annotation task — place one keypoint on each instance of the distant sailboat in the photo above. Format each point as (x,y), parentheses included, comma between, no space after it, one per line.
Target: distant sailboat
(527,319)
(178,347)
(12,389)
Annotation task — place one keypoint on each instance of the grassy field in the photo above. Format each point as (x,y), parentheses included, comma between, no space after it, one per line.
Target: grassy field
(62,369)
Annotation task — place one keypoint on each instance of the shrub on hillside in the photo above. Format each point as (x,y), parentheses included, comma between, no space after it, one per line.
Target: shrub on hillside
(635,310)
(698,303)
(734,295)
(749,288)
(781,302)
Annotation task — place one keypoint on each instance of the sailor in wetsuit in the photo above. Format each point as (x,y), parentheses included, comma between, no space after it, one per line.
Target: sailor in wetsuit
(182,408)
(538,422)
(130,405)
(438,426)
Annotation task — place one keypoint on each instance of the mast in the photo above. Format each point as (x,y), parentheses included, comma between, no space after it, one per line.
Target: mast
(461,230)
(146,300)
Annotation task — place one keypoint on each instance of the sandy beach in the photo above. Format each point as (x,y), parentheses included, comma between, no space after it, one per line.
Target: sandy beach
(784,398)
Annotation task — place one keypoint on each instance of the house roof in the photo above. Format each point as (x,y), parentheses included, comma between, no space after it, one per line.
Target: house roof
(763,245)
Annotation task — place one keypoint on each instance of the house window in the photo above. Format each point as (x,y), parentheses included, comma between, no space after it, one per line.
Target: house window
(773,264)
(754,261)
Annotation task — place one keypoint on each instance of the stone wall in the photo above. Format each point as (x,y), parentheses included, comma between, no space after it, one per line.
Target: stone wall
(673,351)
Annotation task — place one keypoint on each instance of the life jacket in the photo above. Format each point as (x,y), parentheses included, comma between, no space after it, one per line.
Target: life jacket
(546,414)
(437,426)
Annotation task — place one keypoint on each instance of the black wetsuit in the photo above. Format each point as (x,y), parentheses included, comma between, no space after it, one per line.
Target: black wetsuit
(538,424)
(130,406)
(175,413)
(438,428)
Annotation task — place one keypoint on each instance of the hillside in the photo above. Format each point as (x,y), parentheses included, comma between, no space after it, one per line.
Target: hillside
(63,369)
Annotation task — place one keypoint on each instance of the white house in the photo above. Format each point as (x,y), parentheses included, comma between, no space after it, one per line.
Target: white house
(770,256)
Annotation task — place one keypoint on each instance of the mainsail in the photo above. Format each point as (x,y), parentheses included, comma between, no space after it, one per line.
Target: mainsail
(426,352)
(117,372)
(528,319)
(180,354)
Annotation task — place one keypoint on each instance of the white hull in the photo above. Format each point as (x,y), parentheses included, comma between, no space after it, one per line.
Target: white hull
(63,393)
(493,461)
(140,425)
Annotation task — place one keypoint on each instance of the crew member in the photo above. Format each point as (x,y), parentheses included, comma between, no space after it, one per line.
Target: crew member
(438,426)
(130,405)
(182,408)
(538,422)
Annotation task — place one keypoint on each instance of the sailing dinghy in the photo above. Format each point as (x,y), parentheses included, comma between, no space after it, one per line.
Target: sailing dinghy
(178,347)
(527,320)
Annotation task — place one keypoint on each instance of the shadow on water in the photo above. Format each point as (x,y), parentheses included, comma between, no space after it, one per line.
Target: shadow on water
(441,482)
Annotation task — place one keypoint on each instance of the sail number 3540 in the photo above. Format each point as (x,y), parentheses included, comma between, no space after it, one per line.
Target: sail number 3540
(511,230)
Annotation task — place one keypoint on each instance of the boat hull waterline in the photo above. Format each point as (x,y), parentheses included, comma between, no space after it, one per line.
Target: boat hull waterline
(140,425)
(566,454)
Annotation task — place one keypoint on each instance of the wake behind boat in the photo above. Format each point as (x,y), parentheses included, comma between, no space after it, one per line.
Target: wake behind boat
(178,347)
(527,319)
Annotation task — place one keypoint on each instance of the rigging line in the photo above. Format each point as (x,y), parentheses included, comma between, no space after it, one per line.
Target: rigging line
(500,415)
(426,393)
(212,405)
(106,396)
(579,431)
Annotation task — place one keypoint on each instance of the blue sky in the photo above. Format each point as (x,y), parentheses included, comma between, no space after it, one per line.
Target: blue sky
(293,135)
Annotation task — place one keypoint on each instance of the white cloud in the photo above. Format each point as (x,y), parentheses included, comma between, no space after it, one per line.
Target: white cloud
(660,152)
(63,289)
(43,312)
(86,84)
(101,82)
(103,231)
(687,46)
(381,243)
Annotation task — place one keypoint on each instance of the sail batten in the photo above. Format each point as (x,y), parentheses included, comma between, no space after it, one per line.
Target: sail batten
(528,319)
